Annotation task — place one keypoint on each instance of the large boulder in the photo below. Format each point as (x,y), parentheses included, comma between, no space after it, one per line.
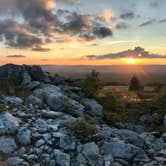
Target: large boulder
(93,108)
(12,100)
(55,98)
(15,161)
(128,136)
(120,150)
(7,145)
(62,159)
(24,73)
(8,123)
(90,151)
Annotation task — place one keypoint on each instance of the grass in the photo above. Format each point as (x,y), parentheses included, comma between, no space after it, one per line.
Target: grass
(83,129)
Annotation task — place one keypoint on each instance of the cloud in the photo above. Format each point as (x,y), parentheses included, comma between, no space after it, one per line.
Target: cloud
(16,56)
(154,4)
(41,49)
(121,25)
(103,32)
(137,52)
(127,15)
(18,35)
(162,21)
(150,22)
(107,15)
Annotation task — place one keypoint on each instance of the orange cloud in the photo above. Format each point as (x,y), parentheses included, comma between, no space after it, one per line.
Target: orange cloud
(107,15)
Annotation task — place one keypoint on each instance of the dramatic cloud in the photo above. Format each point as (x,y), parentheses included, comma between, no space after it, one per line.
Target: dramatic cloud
(18,35)
(103,32)
(41,49)
(138,52)
(16,56)
(162,21)
(150,22)
(121,25)
(107,15)
(127,15)
(154,4)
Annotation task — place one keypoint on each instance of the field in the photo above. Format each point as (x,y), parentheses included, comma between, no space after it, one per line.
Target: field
(130,96)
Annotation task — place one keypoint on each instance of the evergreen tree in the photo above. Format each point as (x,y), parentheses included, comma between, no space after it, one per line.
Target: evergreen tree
(135,84)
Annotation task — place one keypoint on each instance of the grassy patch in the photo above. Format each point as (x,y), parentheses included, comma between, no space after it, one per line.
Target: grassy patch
(83,129)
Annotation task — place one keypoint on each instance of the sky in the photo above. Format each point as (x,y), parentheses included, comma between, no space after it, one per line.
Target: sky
(83,32)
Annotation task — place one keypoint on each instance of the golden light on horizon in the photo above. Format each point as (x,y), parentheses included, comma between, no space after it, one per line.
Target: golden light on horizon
(131,60)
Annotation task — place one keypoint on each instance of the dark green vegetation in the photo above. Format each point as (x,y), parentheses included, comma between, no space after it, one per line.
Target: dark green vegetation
(83,128)
(92,84)
(127,104)
(12,86)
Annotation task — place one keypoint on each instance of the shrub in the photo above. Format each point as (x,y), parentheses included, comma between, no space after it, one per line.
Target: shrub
(135,84)
(91,85)
(83,129)
(67,108)
(3,107)
(12,86)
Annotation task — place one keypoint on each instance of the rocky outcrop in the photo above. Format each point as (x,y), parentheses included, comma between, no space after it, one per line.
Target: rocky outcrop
(34,133)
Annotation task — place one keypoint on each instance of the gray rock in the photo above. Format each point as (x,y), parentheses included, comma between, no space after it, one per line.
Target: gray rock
(24,136)
(33,85)
(8,123)
(62,159)
(39,143)
(90,151)
(128,136)
(81,159)
(67,143)
(50,114)
(15,161)
(93,108)
(34,100)
(120,150)
(12,100)
(54,97)
(7,145)
(41,125)
(26,78)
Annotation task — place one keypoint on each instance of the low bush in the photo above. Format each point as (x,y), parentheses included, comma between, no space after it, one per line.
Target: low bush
(83,129)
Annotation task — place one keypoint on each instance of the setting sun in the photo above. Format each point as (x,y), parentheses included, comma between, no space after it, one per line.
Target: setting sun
(131,60)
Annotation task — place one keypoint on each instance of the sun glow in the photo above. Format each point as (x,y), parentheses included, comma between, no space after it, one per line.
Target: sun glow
(131,60)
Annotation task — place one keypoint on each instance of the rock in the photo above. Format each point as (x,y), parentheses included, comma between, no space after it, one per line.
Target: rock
(34,100)
(90,151)
(128,136)
(26,78)
(7,145)
(50,114)
(62,159)
(41,125)
(39,143)
(67,143)
(93,108)
(164,121)
(33,85)
(8,123)
(12,100)
(55,99)
(24,136)
(81,159)
(15,161)
(24,73)
(120,150)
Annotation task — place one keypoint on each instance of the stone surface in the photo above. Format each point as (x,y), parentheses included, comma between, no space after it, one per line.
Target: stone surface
(7,145)
(24,136)
(120,150)
(62,159)
(93,108)
(8,123)
(12,100)
(67,143)
(15,161)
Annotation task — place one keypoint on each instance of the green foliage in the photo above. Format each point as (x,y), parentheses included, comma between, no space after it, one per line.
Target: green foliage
(12,86)
(160,100)
(135,84)
(83,129)
(91,85)
(3,107)
(67,108)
